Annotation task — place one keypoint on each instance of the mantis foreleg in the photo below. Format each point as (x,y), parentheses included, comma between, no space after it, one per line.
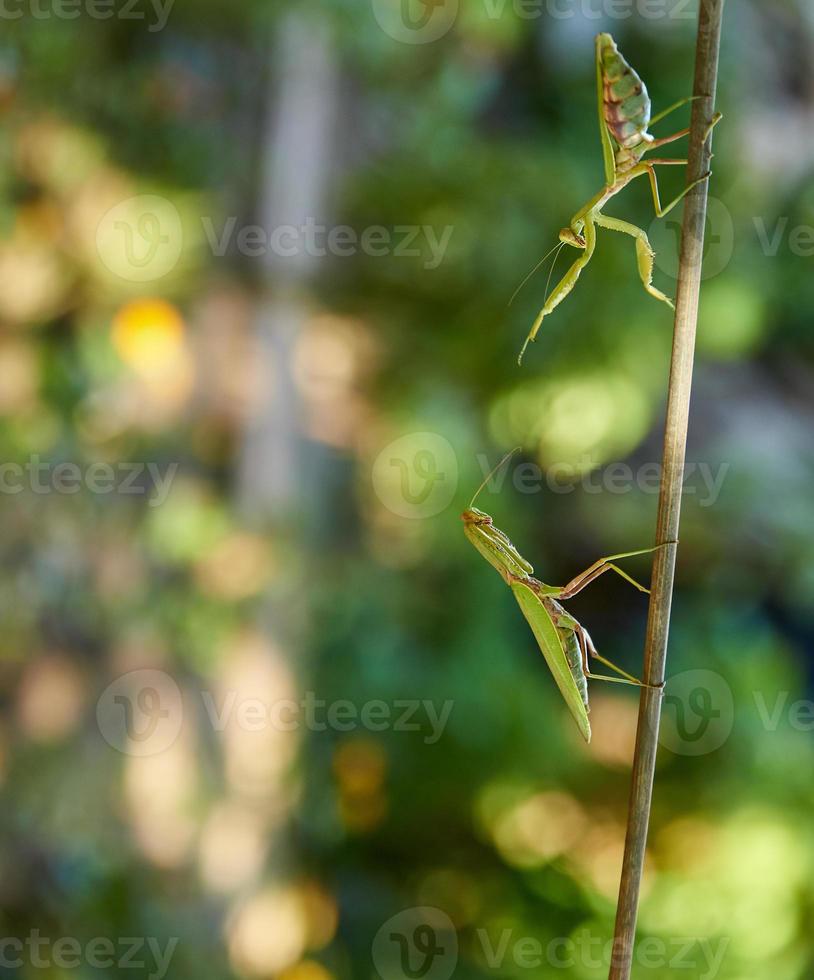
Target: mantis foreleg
(644,253)
(568,281)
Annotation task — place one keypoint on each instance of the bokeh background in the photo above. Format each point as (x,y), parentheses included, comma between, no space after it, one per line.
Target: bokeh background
(208,664)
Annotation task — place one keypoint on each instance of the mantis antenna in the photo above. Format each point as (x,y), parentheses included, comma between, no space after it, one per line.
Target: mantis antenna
(492,472)
(528,275)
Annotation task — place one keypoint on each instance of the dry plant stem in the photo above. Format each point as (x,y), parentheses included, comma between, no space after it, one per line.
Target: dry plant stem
(675,441)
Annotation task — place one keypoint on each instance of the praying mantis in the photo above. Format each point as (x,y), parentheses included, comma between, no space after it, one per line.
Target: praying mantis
(624,117)
(563,640)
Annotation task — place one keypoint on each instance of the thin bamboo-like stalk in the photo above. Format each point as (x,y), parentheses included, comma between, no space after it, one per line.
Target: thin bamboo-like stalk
(675,441)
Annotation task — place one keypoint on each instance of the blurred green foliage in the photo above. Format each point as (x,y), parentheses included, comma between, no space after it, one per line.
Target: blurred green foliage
(282,853)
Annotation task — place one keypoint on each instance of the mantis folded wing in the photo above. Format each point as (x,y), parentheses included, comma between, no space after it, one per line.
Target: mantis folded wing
(562,655)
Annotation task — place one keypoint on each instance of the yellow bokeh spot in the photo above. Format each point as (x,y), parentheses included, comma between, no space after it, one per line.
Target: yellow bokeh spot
(267,932)
(538,829)
(360,766)
(306,970)
(235,567)
(148,335)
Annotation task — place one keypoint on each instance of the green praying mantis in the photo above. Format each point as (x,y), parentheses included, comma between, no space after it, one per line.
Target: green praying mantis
(624,117)
(563,640)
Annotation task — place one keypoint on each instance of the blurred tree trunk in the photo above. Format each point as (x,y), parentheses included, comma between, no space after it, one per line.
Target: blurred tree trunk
(295,169)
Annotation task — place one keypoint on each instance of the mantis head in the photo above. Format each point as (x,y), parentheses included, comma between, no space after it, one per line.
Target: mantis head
(474,516)
(570,237)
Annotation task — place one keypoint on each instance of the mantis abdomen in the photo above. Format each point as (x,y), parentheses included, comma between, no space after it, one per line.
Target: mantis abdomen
(573,656)
(625,102)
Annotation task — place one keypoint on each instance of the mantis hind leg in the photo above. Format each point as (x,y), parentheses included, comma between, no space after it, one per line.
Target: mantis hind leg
(623,678)
(672,108)
(654,185)
(664,140)
(644,253)
(649,167)
(587,649)
(568,281)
